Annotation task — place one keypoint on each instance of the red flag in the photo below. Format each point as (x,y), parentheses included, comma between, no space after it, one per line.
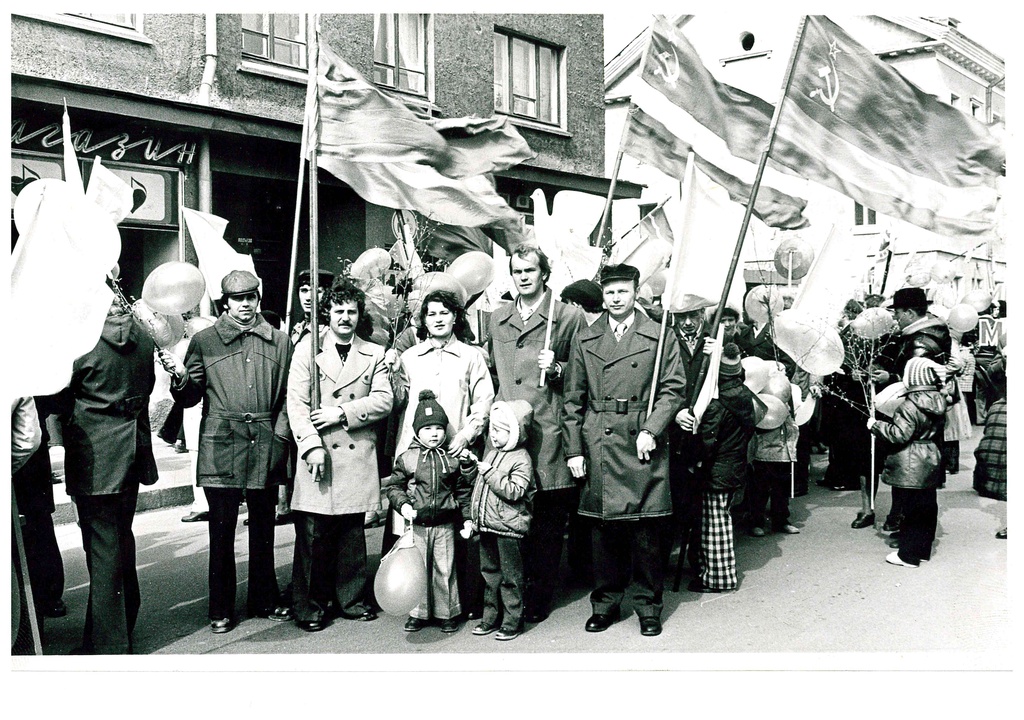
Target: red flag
(853,123)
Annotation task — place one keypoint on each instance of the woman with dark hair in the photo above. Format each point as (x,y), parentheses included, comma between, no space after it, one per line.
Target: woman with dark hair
(460,329)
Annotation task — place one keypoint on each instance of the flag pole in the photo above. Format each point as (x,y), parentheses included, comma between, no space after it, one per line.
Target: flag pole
(314,224)
(547,335)
(748,210)
(303,150)
(677,245)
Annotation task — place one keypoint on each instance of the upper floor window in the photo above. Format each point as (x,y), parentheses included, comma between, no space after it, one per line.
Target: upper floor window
(125,20)
(526,78)
(976,106)
(954,100)
(275,37)
(863,215)
(400,51)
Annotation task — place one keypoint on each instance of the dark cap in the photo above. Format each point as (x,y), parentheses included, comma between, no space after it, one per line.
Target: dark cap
(239,282)
(326,278)
(620,273)
(911,298)
(429,412)
(585,293)
(730,363)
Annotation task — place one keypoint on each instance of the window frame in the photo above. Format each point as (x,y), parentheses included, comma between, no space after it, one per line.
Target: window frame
(557,86)
(397,68)
(271,39)
(87,24)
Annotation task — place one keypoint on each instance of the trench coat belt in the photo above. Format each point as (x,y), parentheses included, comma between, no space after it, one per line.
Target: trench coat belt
(240,416)
(620,407)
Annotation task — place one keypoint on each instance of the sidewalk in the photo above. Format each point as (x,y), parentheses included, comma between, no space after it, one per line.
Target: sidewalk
(175,486)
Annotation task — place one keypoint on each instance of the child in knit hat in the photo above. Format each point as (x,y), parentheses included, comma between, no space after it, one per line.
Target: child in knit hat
(913,467)
(431,491)
(503,491)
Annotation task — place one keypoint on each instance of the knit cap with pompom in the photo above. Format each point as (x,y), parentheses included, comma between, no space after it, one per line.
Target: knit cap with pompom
(429,412)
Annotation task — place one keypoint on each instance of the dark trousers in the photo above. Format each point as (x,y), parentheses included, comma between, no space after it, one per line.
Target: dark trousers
(330,565)
(501,566)
(625,551)
(263,595)
(542,547)
(769,483)
(686,504)
(920,518)
(802,470)
(467,575)
(114,599)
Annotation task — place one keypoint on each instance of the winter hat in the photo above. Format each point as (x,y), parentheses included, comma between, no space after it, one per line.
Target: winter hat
(429,412)
(730,363)
(515,415)
(920,371)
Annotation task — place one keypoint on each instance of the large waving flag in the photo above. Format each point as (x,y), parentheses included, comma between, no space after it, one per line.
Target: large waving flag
(392,158)
(681,108)
(216,257)
(853,123)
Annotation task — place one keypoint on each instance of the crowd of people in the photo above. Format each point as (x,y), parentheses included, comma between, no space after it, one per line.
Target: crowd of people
(568,426)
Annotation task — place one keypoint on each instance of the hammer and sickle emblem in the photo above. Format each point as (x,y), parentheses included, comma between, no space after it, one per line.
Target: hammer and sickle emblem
(668,71)
(829,95)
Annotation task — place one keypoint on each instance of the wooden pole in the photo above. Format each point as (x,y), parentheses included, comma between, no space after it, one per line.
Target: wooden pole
(547,334)
(748,211)
(314,228)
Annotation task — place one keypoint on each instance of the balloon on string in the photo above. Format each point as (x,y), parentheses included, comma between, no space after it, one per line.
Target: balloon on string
(166,330)
(873,323)
(428,282)
(115,272)
(946,296)
(401,579)
(645,293)
(779,386)
(943,271)
(46,194)
(474,271)
(978,299)
(793,258)
(812,342)
(939,311)
(805,410)
(962,318)
(762,301)
(918,276)
(777,412)
(371,264)
(174,287)
(755,373)
(657,283)
(197,323)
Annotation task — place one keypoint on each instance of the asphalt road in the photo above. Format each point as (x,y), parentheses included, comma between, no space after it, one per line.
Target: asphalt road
(817,600)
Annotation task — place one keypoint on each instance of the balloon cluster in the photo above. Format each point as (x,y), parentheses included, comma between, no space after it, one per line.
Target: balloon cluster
(170,290)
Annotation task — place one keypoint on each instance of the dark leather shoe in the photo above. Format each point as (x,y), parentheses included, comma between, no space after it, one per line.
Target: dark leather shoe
(893,542)
(599,622)
(509,634)
(221,625)
(281,613)
(450,625)
(365,616)
(696,585)
(283,519)
(484,629)
(1001,535)
(196,517)
(415,624)
(311,626)
(891,526)
(863,521)
(650,626)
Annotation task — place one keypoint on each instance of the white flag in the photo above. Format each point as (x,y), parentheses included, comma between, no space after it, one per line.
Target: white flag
(114,196)
(216,257)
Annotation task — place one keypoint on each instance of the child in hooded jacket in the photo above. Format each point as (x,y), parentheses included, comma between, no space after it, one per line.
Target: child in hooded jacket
(913,467)
(429,489)
(501,506)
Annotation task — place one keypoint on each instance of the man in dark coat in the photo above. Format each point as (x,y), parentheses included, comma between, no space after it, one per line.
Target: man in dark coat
(238,369)
(517,333)
(618,451)
(108,453)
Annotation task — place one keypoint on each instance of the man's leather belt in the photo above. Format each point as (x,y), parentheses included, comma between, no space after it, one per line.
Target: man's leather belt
(619,407)
(240,416)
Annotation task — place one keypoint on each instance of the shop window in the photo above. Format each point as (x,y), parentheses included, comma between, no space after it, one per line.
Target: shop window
(863,215)
(276,38)
(527,78)
(400,55)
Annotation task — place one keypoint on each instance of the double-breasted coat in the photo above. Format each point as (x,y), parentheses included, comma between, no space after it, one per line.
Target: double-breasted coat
(361,388)
(241,378)
(607,388)
(514,349)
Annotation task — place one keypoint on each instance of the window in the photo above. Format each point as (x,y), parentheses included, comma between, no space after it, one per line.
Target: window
(276,38)
(863,215)
(976,106)
(954,99)
(526,78)
(400,51)
(126,20)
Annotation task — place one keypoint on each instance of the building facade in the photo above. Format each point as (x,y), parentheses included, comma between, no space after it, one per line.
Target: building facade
(205,112)
(750,52)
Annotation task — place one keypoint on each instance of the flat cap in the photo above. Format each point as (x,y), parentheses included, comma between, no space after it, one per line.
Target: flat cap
(619,273)
(326,278)
(585,293)
(239,282)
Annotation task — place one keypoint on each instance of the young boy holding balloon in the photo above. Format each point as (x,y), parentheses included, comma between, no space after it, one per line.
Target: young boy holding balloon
(430,489)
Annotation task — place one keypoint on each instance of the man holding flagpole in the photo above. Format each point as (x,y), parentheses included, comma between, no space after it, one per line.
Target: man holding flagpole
(523,350)
(616,447)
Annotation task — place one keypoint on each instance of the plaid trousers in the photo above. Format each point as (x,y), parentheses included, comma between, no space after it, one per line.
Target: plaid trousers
(718,556)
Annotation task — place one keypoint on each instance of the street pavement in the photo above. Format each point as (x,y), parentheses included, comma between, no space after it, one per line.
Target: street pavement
(817,600)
